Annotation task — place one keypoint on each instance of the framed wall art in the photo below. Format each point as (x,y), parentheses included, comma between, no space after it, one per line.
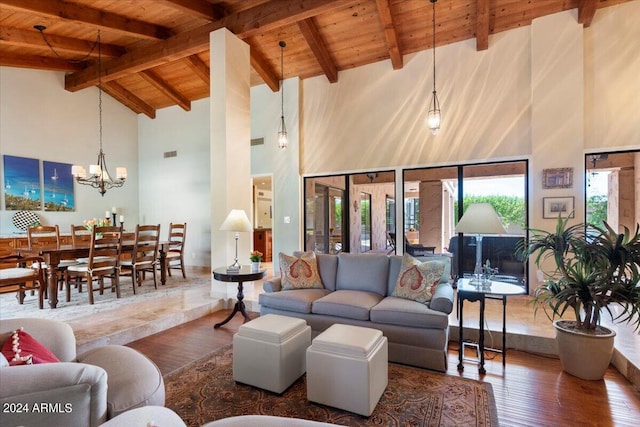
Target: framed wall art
(557,178)
(21,183)
(58,187)
(552,207)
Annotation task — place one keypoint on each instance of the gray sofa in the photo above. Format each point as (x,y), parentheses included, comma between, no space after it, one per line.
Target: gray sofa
(81,390)
(357,292)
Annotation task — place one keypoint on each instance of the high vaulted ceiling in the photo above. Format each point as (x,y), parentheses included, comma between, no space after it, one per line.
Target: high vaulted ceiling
(155,53)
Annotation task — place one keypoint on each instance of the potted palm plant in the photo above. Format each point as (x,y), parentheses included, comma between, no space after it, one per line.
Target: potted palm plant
(596,270)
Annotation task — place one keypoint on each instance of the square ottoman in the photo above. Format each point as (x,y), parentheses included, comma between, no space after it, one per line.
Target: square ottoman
(347,368)
(269,352)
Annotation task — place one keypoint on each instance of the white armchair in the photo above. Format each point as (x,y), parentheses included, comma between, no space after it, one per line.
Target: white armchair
(81,391)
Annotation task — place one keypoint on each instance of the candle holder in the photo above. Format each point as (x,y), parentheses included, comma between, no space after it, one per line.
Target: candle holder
(114,218)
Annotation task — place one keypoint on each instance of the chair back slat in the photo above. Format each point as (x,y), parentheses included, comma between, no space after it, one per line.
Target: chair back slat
(177,236)
(145,251)
(43,237)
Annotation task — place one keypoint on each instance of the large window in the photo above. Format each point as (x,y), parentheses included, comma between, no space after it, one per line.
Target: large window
(435,198)
(350,213)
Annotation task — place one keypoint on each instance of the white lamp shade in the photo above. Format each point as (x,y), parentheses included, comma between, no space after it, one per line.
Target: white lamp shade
(480,218)
(237,221)
(121,173)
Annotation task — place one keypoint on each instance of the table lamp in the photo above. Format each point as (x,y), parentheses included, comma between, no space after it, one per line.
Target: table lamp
(237,221)
(479,218)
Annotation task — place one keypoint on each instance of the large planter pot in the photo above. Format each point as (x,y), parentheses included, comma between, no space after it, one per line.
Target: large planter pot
(584,355)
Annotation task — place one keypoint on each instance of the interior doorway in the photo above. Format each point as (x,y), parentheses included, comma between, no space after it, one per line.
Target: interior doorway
(263,216)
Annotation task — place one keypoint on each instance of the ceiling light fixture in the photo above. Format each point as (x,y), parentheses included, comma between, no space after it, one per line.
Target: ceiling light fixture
(283,139)
(433,118)
(99,174)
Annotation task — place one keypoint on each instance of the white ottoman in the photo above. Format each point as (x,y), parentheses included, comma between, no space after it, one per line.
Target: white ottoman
(347,368)
(269,352)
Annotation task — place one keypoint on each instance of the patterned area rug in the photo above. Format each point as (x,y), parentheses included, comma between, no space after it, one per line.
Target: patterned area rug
(204,391)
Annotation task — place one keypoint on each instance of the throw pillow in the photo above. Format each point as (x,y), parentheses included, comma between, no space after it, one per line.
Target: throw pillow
(22,349)
(299,273)
(417,280)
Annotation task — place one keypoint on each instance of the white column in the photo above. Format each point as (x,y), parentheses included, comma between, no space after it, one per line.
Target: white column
(230,144)
(557,112)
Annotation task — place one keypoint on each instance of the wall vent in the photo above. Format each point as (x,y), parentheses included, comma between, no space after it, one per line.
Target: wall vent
(168,154)
(257,141)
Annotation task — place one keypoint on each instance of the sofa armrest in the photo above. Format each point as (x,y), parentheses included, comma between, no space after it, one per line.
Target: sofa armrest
(272,285)
(70,394)
(442,299)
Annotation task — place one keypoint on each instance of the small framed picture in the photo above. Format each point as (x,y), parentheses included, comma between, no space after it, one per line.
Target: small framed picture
(557,178)
(552,207)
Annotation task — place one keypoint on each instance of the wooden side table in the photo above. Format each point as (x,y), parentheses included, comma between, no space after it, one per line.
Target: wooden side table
(244,275)
(472,293)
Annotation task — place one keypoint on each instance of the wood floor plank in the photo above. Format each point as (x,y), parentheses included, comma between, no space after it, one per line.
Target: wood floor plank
(531,391)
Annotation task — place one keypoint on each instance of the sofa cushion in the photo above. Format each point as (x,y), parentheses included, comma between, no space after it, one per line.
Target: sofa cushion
(417,280)
(359,272)
(299,272)
(395,263)
(297,300)
(347,303)
(404,312)
(327,267)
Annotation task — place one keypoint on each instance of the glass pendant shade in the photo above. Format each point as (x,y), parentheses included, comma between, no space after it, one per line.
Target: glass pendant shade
(433,119)
(283,137)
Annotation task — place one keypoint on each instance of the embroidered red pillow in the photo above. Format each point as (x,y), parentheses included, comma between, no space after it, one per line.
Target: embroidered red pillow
(23,349)
(300,273)
(417,280)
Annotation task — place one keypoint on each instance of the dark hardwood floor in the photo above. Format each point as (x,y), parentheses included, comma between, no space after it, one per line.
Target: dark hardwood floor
(531,391)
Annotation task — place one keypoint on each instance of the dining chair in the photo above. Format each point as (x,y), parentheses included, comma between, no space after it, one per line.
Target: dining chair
(47,237)
(16,276)
(80,235)
(104,260)
(175,252)
(144,257)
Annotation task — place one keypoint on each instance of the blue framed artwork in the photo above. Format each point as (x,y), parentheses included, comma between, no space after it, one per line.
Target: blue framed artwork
(21,184)
(58,187)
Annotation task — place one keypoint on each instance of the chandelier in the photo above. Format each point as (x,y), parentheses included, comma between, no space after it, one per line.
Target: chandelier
(99,176)
(283,139)
(433,119)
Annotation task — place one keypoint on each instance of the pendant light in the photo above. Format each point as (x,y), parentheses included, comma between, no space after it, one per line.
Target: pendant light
(433,118)
(99,176)
(283,139)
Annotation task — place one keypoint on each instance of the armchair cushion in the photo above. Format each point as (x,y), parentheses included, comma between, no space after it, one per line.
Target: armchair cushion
(22,348)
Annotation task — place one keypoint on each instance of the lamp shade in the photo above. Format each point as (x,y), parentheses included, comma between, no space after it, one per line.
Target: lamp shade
(480,218)
(237,221)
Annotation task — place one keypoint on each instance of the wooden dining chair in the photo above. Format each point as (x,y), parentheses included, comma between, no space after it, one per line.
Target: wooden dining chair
(47,237)
(80,235)
(104,260)
(175,252)
(17,276)
(144,257)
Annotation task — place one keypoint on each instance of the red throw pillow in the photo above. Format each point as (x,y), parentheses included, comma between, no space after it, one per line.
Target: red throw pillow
(21,348)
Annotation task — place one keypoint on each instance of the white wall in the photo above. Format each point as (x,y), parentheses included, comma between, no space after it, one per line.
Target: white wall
(40,119)
(177,189)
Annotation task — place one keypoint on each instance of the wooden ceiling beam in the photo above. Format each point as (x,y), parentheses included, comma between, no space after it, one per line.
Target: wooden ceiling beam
(390,33)
(17,37)
(310,32)
(38,62)
(156,81)
(199,68)
(137,105)
(482,24)
(586,11)
(199,8)
(88,15)
(264,70)
(261,18)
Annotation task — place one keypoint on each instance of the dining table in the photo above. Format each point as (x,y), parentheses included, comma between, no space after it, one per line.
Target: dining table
(53,256)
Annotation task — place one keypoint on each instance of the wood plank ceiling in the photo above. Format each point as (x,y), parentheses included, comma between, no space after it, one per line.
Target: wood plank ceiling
(155,53)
